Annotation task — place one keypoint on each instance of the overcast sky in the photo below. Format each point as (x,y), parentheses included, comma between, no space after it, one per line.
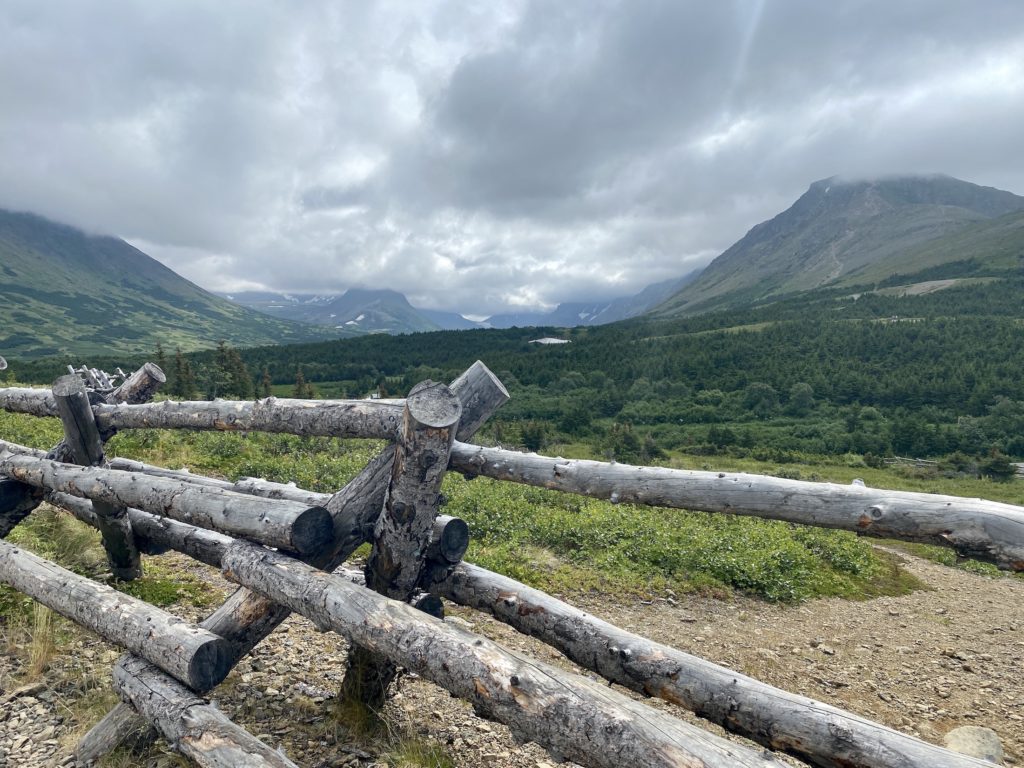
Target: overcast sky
(485,156)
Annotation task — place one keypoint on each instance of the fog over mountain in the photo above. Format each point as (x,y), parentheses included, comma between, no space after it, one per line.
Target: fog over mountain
(480,158)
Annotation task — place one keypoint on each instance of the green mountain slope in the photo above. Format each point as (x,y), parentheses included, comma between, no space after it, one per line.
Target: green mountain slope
(995,245)
(839,229)
(63,292)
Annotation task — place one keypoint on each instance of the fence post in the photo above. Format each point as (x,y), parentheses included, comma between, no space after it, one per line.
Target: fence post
(402,535)
(83,438)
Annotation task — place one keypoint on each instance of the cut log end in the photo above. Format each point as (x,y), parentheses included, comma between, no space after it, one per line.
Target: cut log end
(312,531)
(449,540)
(210,664)
(434,406)
(68,385)
(155,372)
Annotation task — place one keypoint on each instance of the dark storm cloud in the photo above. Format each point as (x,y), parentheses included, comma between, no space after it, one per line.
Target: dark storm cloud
(484,156)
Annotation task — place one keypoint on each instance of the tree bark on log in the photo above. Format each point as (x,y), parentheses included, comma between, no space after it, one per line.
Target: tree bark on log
(155,534)
(815,732)
(247,617)
(83,438)
(403,530)
(34,402)
(574,718)
(282,524)
(986,530)
(190,724)
(193,655)
(140,386)
(129,465)
(327,418)
(402,535)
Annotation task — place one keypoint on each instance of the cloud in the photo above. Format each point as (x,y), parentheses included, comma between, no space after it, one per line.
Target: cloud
(485,156)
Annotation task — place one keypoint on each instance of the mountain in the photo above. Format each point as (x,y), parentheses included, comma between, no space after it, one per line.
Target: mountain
(572,314)
(841,228)
(67,292)
(355,311)
(384,311)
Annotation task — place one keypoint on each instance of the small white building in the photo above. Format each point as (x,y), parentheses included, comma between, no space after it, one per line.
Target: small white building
(549,340)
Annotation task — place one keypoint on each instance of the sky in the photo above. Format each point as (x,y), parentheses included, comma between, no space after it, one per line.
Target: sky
(485,156)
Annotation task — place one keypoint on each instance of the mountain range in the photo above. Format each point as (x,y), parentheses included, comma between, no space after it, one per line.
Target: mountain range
(360,310)
(66,292)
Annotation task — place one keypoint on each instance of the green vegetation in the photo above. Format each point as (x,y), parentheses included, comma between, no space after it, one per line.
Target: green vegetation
(558,542)
(65,291)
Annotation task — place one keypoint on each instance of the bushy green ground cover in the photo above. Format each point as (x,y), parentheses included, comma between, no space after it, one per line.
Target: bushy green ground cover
(559,542)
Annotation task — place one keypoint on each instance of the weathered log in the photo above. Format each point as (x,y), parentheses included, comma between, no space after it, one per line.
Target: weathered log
(250,485)
(23,450)
(986,530)
(34,402)
(402,535)
(328,418)
(247,617)
(155,534)
(813,731)
(449,540)
(196,657)
(270,490)
(574,718)
(83,438)
(129,465)
(818,733)
(283,524)
(140,386)
(403,530)
(190,724)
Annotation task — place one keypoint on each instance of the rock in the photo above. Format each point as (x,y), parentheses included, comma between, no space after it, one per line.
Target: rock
(975,741)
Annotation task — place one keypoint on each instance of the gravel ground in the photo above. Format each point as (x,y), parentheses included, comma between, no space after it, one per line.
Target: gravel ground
(924,663)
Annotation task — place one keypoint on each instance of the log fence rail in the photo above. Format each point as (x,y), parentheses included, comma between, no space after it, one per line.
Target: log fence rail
(281,543)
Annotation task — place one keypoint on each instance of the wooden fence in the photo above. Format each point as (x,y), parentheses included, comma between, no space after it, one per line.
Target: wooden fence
(285,547)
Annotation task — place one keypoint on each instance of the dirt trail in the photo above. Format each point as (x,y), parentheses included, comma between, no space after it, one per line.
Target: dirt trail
(923,663)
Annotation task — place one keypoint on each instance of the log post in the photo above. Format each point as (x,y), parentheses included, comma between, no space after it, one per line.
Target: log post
(402,534)
(195,656)
(247,617)
(82,436)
